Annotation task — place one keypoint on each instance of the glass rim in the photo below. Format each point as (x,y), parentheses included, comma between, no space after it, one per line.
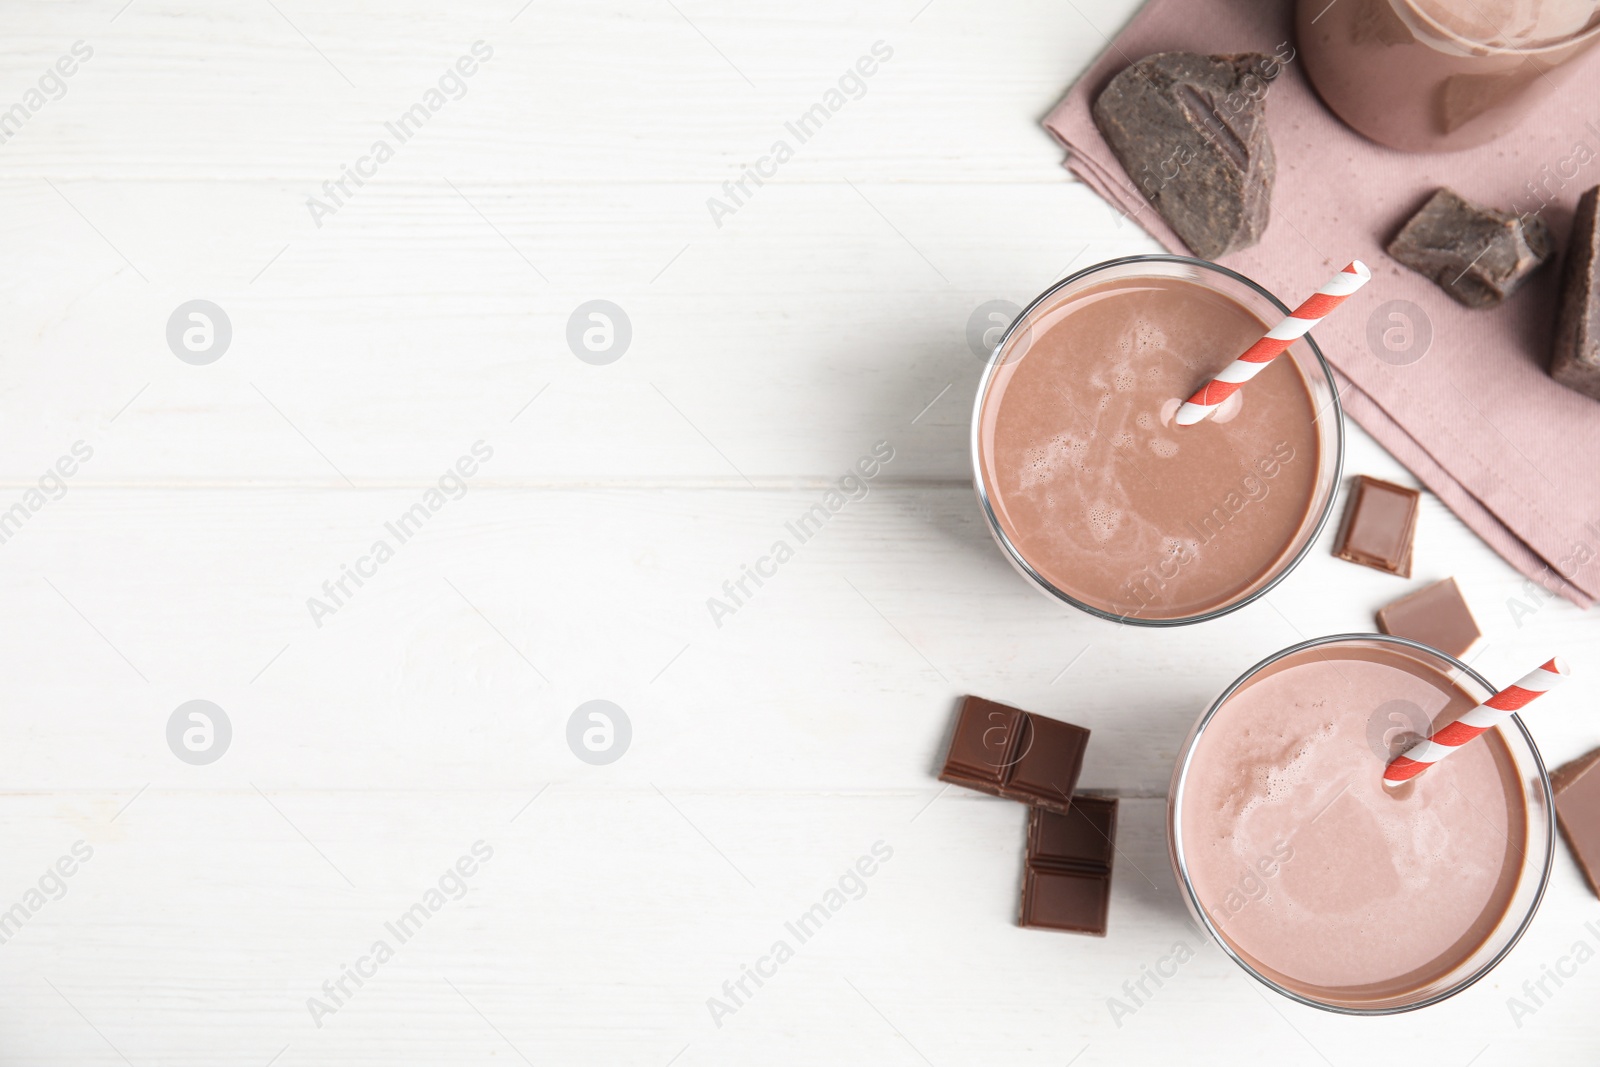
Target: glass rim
(1191,898)
(1486,49)
(980,485)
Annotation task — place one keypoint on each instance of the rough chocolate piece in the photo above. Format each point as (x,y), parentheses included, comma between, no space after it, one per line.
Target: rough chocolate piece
(1379,522)
(1066,881)
(1191,132)
(1435,615)
(1010,753)
(1575,360)
(1476,254)
(1577,789)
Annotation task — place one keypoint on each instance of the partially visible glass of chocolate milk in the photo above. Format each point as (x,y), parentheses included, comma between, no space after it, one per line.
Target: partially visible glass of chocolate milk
(1440,75)
(1322,882)
(1093,492)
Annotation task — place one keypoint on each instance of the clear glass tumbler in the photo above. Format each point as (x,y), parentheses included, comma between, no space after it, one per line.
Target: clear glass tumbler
(1486,939)
(1440,75)
(1216,501)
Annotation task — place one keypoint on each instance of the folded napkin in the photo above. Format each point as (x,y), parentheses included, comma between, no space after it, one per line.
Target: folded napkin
(1478,419)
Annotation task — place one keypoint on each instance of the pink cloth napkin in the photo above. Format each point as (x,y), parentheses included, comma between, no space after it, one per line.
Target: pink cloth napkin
(1478,419)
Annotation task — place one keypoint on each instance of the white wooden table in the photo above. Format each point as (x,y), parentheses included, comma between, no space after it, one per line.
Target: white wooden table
(375,743)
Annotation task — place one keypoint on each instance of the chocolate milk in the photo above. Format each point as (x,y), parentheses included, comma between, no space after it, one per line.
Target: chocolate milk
(1325,881)
(1103,495)
(1439,75)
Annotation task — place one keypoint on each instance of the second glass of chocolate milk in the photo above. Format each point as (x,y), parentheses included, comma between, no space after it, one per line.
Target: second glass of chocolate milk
(1440,75)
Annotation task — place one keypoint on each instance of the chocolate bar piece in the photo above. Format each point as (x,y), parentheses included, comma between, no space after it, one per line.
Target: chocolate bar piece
(1463,97)
(1378,525)
(1007,752)
(1575,359)
(1435,615)
(1577,790)
(1066,882)
(1476,254)
(1191,132)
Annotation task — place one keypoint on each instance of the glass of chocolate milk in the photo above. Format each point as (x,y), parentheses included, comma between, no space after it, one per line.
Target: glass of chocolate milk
(1440,75)
(1322,882)
(1093,492)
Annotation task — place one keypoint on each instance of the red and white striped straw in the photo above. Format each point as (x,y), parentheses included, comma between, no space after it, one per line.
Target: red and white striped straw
(1257,356)
(1497,709)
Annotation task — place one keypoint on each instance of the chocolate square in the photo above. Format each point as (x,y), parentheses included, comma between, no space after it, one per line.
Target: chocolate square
(1074,901)
(1046,767)
(1085,835)
(1436,615)
(981,750)
(1379,523)
(1066,882)
(1010,753)
(1577,790)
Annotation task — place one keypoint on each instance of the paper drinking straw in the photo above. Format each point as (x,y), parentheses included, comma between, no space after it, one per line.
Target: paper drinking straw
(1497,709)
(1280,337)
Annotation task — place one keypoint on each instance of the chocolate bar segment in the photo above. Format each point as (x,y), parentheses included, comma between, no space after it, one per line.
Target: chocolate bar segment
(1010,753)
(1577,790)
(1435,615)
(986,738)
(1379,523)
(1045,769)
(1066,882)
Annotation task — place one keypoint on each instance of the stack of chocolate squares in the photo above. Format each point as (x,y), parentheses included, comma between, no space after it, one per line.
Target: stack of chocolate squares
(1010,753)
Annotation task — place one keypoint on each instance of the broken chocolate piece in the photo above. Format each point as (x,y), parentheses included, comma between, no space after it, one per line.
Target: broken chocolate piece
(1435,615)
(1379,522)
(1066,881)
(1463,97)
(1191,132)
(1376,22)
(1577,789)
(1575,360)
(1476,254)
(1010,753)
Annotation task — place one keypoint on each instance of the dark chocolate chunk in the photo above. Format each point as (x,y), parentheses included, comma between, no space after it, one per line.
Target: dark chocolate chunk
(1577,790)
(1066,882)
(1191,132)
(1010,753)
(1575,360)
(1436,615)
(1476,254)
(1379,522)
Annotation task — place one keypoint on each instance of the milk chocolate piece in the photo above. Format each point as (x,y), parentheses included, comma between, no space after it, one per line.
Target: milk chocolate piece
(1577,790)
(1463,97)
(1476,254)
(1066,881)
(1007,752)
(1435,615)
(1575,360)
(1191,132)
(1379,522)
